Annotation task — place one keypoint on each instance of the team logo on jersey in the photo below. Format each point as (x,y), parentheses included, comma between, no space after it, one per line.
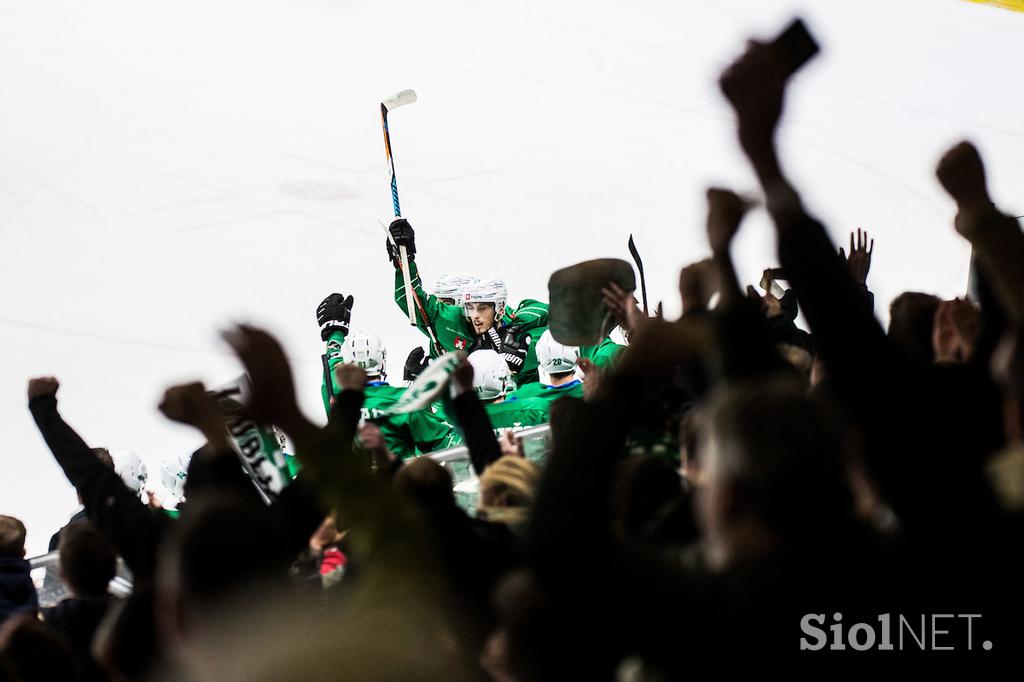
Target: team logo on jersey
(460,343)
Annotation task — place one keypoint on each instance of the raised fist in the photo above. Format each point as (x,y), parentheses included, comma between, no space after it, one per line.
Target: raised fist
(41,386)
(962,174)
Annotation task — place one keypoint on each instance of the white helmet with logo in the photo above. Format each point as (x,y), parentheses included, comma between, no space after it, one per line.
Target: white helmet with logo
(130,467)
(366,350)
(486,291)
(491,376)
(452,286)
(173,472)
(553,357)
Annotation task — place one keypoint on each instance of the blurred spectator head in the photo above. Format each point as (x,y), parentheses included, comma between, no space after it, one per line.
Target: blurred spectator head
(513,651)
(87,561)
(221,551)
(507,489)
(911,319)
(103,455)
(774,472)
(12,537)
(426,483)
(644,489)
(35,650)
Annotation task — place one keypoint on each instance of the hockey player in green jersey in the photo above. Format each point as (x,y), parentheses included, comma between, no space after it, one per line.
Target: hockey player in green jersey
(481,321)
(406,434)
(492,381)
(558,364)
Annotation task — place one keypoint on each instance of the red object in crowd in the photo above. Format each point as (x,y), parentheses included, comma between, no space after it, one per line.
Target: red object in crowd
(332,561)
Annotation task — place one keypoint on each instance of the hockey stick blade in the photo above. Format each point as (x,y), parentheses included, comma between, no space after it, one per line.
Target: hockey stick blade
(399,99)
(640,267)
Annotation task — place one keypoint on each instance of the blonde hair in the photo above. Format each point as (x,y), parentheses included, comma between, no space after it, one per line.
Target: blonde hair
(507,489)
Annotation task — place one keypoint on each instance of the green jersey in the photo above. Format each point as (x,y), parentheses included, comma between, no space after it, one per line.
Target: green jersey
(548,394)
(450,324)
(332,356)
(406,435)
(454,331)
(604,353)
(511,415)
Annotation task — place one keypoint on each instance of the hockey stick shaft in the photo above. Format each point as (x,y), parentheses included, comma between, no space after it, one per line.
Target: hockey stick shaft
(398,212)
(640,267)
(328,383)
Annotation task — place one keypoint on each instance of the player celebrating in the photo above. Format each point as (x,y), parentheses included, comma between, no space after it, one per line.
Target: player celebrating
(482,321)
(405,434)
(493,383)
(558,363)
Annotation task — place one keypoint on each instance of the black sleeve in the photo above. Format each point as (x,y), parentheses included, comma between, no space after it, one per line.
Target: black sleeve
(476,427)
(745,344)
(299,514)
(134,529)
(993,321)
(849,339)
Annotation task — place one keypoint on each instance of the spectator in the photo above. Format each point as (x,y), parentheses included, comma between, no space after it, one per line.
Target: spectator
(17,591)
(37,653)
(87,565)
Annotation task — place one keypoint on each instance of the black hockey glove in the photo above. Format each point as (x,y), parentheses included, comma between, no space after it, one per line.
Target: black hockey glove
(403,234)
(507,346)
(333,315)
(415,364)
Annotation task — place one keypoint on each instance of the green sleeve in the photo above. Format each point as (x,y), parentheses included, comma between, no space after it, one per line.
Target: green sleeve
(604,354)
(449,321)
(530,314)
(430,303)
(333,353)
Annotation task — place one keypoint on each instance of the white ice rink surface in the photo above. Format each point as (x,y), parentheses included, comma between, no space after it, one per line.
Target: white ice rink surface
(167,167)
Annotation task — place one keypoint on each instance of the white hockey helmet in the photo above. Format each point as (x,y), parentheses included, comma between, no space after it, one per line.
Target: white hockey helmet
(486,291)
(553,357)
(173,472)
(366,350)
(130,467)
(452,286)
(491,376)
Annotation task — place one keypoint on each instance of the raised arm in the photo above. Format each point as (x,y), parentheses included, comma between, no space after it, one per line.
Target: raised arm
(333,316)
(743,341)
(134,529)
(847,336)
(404,235)
(995,236)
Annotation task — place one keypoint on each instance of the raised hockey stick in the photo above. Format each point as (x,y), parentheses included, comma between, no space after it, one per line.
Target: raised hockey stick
(398,99)
(640,268)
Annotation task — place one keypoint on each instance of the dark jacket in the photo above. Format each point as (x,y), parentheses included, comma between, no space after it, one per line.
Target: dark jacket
(77,619)
(55,538)
(17,592)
